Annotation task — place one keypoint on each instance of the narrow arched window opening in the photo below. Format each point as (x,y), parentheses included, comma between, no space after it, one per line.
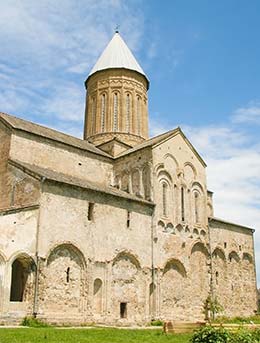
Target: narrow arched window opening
(128,219)
(196,201)
(68,275)
(115,126)
(182,205)
(98,296)
(128,112)
(103,112)
(138,115)
(217,278)
(93,115)
(164,196)
(91,211)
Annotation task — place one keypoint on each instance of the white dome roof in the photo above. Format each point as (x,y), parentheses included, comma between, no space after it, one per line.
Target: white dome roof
(117,55)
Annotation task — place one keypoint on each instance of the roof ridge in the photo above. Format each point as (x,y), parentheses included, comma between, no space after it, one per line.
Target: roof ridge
(149,142)
(75,181)
(49,133)
(39,125)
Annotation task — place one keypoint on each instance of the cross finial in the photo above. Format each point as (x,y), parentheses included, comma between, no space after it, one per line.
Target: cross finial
(117,29)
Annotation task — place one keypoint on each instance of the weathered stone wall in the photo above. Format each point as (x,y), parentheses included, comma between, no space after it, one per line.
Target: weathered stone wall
(24,189)
(5,139)
(103,258)
(234,278)
(60,158)
(100,248)
(133,173)
(180,231)
(17,243)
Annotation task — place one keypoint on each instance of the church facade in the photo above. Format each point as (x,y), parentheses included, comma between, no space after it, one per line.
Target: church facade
(117,228)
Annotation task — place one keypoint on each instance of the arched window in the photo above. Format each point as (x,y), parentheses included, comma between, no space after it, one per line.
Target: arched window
(164,197)
(138,115)
(196,204)
(115,111)
(97,296)
(93,116)
(128,112)
(103,112)
(182,205)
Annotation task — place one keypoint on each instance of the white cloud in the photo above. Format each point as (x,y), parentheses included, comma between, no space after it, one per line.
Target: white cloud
(248,115)
(233,175)
(48,48)
(66,102)
(233,171)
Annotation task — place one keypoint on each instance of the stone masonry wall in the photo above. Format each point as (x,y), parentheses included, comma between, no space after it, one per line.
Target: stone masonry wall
(17,242)
(93,265)
(133,173)
(60,158)
(234,278)
(180,241)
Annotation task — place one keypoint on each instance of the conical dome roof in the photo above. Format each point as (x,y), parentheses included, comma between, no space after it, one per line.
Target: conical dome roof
(117,55)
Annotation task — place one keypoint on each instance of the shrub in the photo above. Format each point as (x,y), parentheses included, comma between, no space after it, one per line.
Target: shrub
(157,322)
(256,335)
(244,336)
(34,322)
(208,334)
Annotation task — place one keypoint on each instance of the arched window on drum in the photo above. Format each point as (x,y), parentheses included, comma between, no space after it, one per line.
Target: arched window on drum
(103,112)
(128,112)
(115,112)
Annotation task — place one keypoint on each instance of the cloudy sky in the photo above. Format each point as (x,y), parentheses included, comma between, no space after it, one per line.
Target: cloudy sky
(202,59)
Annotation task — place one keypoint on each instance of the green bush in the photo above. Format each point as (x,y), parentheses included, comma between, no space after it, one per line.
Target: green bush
(34,323)
(245,336)
(209,334)
(256,335)
(157,322)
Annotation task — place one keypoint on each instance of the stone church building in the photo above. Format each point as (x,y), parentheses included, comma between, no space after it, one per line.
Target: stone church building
(117,228)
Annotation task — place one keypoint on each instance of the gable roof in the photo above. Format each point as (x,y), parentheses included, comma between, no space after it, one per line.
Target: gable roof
(157,140)
(115,139)
(149,142)
(39,130)
(117,55)
(51,175)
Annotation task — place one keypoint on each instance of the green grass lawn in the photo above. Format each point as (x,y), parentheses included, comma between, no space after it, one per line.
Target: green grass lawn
(96,335)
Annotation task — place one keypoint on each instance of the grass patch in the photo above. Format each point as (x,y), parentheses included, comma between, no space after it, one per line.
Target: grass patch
(96,335)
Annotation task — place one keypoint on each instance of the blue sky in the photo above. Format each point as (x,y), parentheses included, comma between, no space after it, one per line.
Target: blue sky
(202,59)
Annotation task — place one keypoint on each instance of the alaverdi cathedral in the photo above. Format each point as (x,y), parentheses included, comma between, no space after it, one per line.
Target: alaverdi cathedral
(117,228)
